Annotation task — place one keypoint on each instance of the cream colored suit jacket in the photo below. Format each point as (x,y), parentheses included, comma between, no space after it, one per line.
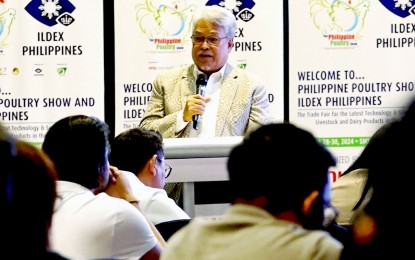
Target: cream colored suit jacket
(243,104)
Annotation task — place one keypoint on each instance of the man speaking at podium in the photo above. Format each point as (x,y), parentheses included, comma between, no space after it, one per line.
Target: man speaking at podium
(209,98)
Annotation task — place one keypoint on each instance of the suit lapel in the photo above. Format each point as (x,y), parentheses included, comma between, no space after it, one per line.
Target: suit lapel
(227,97)
(187,84)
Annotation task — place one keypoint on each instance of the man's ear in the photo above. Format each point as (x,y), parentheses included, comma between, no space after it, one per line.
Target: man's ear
(151,164)
(308,202)
(230,45)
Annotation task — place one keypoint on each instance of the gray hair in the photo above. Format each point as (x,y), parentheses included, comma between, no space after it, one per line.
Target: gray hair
(219,16)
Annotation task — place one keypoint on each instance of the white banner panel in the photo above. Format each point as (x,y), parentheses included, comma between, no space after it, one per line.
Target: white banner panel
(154,35)
(350,69)
(51,63)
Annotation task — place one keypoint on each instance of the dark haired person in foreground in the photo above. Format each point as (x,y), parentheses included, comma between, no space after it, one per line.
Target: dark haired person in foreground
(350,190)
(96,214)
(381,228)
(27,188)
(268,219)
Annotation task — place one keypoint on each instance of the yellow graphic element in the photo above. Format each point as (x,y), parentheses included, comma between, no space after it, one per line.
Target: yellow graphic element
(6,20)
(338,16)
(160,18)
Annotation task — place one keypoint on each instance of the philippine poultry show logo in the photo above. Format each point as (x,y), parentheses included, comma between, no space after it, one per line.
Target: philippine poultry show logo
(7,16)
(168,24)
(340,21)
(401,8)
(51,12)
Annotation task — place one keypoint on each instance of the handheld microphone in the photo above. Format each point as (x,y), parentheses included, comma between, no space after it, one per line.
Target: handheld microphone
(200,89)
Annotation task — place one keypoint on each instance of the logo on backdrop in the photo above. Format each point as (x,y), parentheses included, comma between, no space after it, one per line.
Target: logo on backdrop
(62,71)
(241,9)
(168,24)
(402,8)
(340,21)
(51,12)
(7,16)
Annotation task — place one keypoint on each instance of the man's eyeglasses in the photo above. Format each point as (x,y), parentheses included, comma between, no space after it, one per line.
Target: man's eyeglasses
(211,40)
(167,168)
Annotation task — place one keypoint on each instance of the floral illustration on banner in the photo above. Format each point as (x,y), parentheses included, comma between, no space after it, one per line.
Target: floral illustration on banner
(166,23)
(7,16)
(339,21)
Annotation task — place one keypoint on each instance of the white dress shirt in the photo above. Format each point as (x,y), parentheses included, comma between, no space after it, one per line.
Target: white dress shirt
(155,203)
(88,226)
(208,122)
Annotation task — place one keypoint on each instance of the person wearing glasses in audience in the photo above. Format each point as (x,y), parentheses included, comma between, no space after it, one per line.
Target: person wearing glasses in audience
(139,154)
(235,101)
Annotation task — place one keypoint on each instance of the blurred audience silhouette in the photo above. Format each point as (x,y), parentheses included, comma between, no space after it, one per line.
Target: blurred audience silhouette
(268,219)
(27,199)
(379,227)
(349,191)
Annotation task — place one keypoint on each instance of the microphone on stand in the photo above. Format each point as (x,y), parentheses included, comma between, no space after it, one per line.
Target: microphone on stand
(200,89)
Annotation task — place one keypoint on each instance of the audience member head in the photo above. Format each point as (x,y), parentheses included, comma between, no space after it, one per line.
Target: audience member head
(293,158)
(389,156)
(7,151)
(27,199)
(140,151)
(364,160)
(377,229)
(79,147)
(213,30)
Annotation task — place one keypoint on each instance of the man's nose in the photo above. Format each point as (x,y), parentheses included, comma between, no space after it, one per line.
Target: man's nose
(205,44)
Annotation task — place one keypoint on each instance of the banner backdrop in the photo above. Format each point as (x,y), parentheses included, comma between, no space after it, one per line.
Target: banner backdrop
(152,36)
(350,69)
(51,63)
